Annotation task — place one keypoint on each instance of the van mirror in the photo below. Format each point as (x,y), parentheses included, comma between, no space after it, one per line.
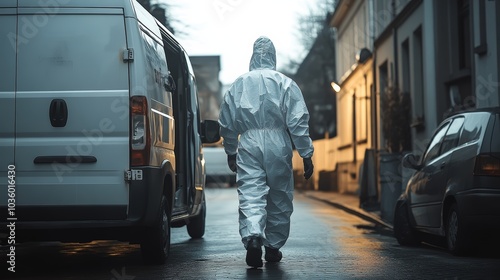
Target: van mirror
(210,131)
(411,161)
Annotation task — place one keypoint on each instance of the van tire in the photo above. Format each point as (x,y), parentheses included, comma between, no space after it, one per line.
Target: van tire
(155,245)
(196,226)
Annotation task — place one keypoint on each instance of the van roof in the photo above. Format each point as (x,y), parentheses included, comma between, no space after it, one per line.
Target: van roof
(131,9)
(52,6)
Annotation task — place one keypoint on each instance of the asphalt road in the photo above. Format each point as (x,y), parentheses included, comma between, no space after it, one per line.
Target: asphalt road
(325,243)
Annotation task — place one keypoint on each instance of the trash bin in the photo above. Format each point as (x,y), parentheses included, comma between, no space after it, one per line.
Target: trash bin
(390,184)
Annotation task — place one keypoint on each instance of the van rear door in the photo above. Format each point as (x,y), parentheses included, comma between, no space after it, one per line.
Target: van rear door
(7,91)
(72,126)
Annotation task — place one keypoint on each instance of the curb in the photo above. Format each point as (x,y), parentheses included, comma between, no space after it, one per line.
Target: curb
(354,211)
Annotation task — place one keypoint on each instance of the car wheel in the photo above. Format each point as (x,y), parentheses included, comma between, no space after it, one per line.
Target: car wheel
(403,231)
(456,234)
(196,226)
(155,245)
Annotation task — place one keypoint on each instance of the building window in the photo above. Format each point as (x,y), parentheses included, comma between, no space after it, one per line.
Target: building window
(481,48)
(383,77)
(383,84)
(346,124)
(362,111)
(405,61)
(418,80)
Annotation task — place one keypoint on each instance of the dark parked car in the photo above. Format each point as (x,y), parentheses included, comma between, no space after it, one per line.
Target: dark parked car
(455,190)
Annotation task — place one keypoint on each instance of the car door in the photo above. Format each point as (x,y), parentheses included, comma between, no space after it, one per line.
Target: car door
(441,182)
(179,72)
(193,137)
(429,181)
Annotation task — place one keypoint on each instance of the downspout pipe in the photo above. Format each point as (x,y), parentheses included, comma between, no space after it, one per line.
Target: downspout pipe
(354,128)
(373,94)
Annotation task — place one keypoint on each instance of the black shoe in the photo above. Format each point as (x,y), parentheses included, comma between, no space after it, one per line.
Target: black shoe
(273,255)
(254,253)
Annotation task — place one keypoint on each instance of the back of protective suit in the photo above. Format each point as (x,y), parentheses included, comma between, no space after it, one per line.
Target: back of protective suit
(264,99)
(258,109)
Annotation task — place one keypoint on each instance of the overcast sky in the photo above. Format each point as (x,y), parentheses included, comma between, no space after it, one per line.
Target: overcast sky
(229,27)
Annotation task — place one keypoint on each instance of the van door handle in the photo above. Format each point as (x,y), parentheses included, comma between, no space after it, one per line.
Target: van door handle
(69,159)
(443,165)
(58,113)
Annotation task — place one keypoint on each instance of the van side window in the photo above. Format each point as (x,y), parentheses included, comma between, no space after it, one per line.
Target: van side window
(434,147)
(158,68)
(452,136)
(473,128)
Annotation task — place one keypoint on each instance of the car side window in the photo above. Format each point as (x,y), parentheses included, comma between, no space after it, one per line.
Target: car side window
(452,135)
(473,127)
(433,148)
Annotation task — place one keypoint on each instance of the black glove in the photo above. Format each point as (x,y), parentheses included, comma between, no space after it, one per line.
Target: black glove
(231,162)
(308,168)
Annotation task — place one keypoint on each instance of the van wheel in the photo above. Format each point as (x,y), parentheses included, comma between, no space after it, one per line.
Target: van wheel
(196,226)
(456,234)
(155,245)
(403,231)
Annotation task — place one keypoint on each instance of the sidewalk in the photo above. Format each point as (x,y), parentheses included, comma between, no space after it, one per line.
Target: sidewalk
(348,203)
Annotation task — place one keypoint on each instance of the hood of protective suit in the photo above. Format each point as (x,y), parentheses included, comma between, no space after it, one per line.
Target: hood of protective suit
(264,54)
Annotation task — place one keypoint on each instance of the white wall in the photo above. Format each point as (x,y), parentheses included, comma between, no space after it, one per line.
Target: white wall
(486,66)
(324,158)
(384,53)
(429,68)
(421,96)
(352,35)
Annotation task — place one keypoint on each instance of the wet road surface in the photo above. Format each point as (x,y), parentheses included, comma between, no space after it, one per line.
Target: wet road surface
(325,243)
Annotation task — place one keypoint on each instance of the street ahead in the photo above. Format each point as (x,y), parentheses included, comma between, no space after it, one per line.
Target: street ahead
(325,243)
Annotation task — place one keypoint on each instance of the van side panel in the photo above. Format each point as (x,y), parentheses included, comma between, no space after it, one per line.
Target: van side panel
(7,91)
(161,112)
(76,57)
(148,73)
(154,77)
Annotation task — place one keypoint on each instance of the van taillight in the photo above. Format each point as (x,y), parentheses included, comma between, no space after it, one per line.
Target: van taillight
(487,165)
(139,131)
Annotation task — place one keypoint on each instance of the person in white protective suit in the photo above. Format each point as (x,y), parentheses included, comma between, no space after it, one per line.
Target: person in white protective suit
(262,113)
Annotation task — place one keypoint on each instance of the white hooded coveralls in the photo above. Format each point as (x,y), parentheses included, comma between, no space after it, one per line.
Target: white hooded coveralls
(259,108)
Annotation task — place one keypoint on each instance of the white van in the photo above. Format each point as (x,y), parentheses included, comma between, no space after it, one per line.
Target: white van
(99,124)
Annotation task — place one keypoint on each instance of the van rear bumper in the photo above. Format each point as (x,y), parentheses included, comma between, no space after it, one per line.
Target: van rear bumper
(72,231)
(145,196)
(77,223)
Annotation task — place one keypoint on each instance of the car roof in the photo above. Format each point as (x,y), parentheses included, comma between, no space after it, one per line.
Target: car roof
(491,110)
